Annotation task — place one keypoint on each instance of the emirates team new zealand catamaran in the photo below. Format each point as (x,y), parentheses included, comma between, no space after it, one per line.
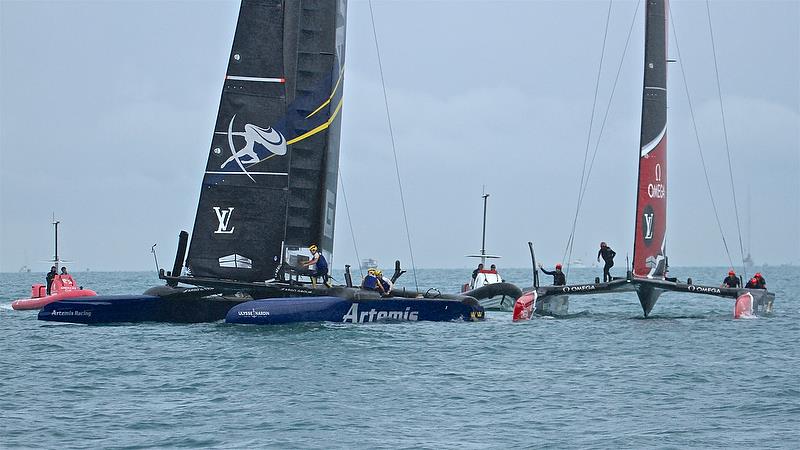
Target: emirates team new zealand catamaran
(648,277)
(269,191)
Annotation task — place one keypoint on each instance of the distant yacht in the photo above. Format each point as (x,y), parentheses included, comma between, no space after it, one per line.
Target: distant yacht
(368,263)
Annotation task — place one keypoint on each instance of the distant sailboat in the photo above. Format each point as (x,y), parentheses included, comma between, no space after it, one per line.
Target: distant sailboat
(648,277)
(269,191)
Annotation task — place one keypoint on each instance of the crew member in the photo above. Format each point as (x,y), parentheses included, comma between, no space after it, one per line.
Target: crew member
(731,281)
(385,284)
(320,266)
(370,282)
(50,275)
(608,256)
(762,283)
(64,270)
(559,279)
(752,284)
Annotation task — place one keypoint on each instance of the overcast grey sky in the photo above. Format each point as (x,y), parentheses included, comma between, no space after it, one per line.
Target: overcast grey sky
(107,110)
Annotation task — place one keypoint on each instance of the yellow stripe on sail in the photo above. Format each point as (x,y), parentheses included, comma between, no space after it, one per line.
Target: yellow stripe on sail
(321,127)
(327,102)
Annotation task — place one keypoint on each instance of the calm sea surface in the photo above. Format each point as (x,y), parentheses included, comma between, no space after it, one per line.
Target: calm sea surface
(690,376)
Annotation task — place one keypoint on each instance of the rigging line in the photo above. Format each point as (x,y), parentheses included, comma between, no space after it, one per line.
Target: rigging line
(725,133)
(350,222)
(608,106)
(588,138)
(394,147)
(697,138)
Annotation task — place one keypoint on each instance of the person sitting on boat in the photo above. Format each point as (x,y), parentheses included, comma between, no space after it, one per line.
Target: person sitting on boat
(384,284)
(320,266)
(50,275)
(762,283)
(608,256)
(752,284)
(559,279)
(475,272)
(370,282)
(731,281)
(63,271)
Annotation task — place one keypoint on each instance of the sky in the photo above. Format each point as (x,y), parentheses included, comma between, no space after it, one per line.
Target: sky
(107,112)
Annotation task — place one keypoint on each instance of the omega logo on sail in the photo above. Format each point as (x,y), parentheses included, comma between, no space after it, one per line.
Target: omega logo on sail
(657,190)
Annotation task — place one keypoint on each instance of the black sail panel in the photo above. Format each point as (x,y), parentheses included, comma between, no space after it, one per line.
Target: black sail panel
(276,134)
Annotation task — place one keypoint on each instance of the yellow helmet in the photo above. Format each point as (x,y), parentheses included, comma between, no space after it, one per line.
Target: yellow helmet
(378,273)
(372,271)
(312,247)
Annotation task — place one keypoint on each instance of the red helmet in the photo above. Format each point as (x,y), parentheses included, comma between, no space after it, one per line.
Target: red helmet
(558,266)
(754,280)
(730,272)
(758,275)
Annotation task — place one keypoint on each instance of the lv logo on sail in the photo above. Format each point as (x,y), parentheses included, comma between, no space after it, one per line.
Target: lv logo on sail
(224,218)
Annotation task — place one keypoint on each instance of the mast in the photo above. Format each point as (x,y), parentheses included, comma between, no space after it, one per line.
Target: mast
(649,258)
(56,260)
(271,176)
(483,238)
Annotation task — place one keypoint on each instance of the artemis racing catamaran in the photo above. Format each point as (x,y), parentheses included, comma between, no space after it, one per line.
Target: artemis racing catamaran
(269,190)
(648,277)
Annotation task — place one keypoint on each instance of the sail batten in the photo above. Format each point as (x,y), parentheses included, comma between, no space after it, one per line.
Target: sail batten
(649,258)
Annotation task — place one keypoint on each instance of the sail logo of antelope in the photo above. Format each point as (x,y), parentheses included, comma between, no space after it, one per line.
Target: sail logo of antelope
(260,145)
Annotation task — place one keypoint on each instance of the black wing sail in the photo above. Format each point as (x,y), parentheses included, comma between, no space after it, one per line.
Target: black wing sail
(271,177)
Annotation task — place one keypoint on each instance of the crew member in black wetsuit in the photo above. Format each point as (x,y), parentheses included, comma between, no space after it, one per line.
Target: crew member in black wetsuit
(608,256)
(559,279)
(50,275)
(752,284)
(731,281)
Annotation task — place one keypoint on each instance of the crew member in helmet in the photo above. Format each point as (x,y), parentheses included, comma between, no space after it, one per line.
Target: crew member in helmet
(752,284)
(385,284)
(608,256)
(731,281)
(559,279)
(370,282)
(762,283)
(320,266)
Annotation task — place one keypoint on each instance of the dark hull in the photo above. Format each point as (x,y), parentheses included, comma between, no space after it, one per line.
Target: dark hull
(341,310)
(196,305)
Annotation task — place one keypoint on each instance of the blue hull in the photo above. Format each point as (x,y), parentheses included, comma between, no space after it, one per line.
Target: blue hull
(137,308)
(278,311)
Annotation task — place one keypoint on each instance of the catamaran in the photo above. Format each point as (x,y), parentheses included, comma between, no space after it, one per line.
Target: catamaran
(268,192)
(648,277)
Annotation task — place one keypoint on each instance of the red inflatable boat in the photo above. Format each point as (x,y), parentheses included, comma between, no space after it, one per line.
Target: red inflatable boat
(63,287)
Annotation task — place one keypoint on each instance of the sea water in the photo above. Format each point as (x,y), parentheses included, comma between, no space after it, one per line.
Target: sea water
(689,376)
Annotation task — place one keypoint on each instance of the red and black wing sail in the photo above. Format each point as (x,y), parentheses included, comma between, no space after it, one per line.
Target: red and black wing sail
(649,258)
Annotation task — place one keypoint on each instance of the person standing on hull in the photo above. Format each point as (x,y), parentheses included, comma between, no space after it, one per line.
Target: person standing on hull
(731,281)
(50,275)
(320,266)
(559,279)
(608,256)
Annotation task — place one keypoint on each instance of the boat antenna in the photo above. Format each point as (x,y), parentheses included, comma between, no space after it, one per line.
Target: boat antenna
(394,147)
(155,257)
(55,226)
(725,134)
(483,238)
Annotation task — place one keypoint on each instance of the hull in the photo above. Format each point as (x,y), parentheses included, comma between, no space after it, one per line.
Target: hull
(496,296)
(341,310)
(41,302)
(138,308)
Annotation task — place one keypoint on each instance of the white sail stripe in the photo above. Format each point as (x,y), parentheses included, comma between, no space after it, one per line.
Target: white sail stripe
(652,144)
(266,80)
(656,88)
(242,173)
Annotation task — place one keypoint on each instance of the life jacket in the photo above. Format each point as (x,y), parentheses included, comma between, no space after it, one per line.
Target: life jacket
(322,264)
(387,285)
